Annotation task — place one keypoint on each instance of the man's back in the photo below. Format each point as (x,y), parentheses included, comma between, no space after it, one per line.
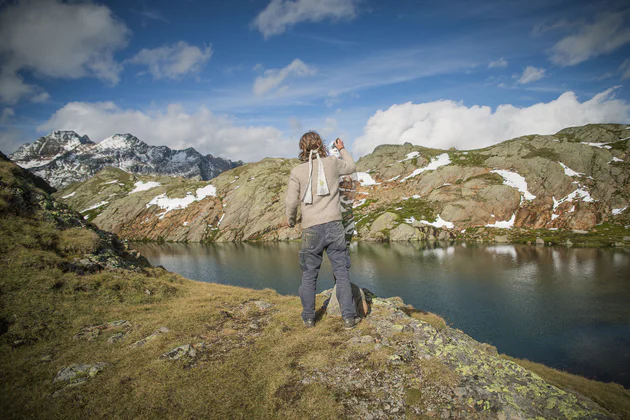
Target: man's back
(324,208)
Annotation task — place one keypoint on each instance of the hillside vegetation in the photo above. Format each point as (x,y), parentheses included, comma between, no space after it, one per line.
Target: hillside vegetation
(569,188)
(89,329)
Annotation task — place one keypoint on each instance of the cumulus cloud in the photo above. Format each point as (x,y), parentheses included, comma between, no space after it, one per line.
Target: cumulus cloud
(607,33)
(173,61)
(273,78)
(57,39)
(281,14)
(205,131)
(531,74)
(500,63)
(444,124)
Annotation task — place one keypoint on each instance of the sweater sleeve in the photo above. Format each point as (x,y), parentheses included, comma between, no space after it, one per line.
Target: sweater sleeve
(292,200)
(346,165)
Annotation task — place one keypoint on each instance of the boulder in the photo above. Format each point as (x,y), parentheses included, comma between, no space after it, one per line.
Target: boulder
(404,232)
(501,239)
(179,352)
(384,221)
(156,333)
(540,241)
(78,373)
(360,303)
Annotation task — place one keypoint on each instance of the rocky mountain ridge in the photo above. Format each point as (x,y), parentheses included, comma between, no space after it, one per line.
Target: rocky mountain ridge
(559,186)
(64,157)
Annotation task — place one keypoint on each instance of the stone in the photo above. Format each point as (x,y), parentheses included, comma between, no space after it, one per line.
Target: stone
(262,305)
(80,372)
(626,238)
(364,339)
(386,220)
(47,358)
(404,232)
(116,337)
(119,323)
(581,232)
(540,241)
(179,352)
(156,333)
(360,303)
(501,239)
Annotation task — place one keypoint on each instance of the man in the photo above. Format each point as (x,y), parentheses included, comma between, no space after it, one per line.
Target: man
(322,228)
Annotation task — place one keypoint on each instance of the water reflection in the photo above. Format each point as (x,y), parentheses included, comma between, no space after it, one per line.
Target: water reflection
(565,307)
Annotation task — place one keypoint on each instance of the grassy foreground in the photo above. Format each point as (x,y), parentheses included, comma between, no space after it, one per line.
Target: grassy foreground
(256,361)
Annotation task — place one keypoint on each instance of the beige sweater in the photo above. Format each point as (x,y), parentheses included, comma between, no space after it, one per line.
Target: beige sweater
(324,208)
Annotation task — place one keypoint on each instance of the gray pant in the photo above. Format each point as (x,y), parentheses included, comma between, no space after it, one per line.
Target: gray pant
(315,239)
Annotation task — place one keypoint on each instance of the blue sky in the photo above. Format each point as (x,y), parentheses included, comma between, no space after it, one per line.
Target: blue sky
(244,79)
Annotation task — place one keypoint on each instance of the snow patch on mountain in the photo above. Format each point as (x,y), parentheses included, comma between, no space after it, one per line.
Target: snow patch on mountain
(514,180)
(568,171)
(436,162)
(144,186)
(505,224)
(366,179)
(170,204)
(439,222)
(95,206)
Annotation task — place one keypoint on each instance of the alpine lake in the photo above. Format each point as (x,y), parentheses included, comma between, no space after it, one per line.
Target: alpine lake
(568,308)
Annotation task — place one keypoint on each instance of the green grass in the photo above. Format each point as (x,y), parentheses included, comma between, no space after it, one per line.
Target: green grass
(418,208)
(471,158)
(543,152)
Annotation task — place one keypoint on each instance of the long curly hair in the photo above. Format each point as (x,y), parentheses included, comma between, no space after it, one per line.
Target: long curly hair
(311,141)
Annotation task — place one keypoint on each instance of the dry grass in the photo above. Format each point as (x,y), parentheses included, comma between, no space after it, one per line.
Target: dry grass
(78,241)
(430,318)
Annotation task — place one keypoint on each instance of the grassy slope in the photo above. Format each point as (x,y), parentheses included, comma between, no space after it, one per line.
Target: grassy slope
(242,375)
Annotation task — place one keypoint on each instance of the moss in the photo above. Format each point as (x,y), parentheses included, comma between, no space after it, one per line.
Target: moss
(490,178)
(543,152)
(620,145)
(471,158)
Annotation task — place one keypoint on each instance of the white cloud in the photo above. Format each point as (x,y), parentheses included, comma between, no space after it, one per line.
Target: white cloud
(205,131)
(57,39)
(625,69)
(501,63)
(6,115)
(444,124)
(531,74)
(273,78)
(607,33)
(281,14)
(561,24)
(173,61)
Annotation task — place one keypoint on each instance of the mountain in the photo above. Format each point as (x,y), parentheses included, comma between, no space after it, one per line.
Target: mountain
(64,157)
(85,320)
(572,186)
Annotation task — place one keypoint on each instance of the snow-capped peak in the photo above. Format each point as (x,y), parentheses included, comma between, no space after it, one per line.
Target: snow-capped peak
(119,141)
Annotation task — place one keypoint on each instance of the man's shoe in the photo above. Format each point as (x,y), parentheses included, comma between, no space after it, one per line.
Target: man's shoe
(309,323)
(350,323)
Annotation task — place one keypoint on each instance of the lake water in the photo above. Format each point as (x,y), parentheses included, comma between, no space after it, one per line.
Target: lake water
(568,308)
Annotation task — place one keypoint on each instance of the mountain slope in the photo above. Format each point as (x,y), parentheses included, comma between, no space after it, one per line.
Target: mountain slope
(574,180)
(64,157)
(160,346)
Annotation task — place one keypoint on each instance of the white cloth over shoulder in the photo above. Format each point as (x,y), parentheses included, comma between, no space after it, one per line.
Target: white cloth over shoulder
(322,185)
